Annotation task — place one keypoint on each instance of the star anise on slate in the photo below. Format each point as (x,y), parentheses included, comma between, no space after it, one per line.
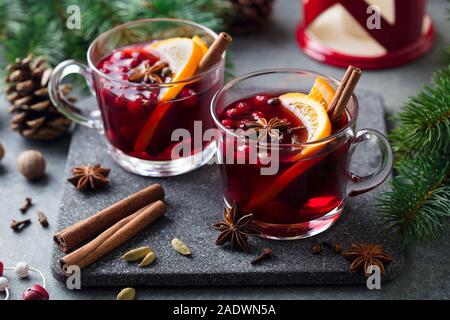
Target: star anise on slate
(93,176)
(235,228)
(150,73)
(264,128)
(365,255)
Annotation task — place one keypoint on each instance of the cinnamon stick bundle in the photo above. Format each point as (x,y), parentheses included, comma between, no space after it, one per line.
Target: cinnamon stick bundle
(344,93)
(113,237)
(88,228)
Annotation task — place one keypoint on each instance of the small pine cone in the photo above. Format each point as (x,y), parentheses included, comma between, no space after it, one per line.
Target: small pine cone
(34,116)
(249,15)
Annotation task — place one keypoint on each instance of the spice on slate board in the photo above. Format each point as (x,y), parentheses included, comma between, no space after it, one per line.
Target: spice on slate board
(31,164)
(148,259)
(180,247)
(92,176)
(265,255)
(42,219)
(235,228)
(316,248)
(114,236)
(88,228)
(364,255)
(26,205)
(19,225)
(126,294)
(136,254)
(336,247)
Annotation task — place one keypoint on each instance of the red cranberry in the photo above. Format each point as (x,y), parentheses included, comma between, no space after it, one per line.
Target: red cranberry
(126,54)
(228,123)
(120,101)
(123,69)
(135,62)
(231,113)
(1,268)
(260,100)
(36,292)
(242,107)
(258,114)
(136,106)
(189,98)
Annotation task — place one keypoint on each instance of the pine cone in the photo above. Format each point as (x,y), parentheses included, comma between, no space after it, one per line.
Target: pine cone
(249,15)
(34,116)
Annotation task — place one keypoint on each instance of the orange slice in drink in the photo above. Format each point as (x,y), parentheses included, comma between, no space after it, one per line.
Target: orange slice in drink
(199,41)
(315,118)
(183,56)
(322,92)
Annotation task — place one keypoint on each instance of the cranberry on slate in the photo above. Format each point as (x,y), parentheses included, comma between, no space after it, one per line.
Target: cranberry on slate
(188,98)
(242,107)
(228,123)
(36,292)
(231,113)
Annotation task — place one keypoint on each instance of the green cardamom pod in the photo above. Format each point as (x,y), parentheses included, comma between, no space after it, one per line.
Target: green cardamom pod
(136,254)
(149,258)
(126,294)
(180,247)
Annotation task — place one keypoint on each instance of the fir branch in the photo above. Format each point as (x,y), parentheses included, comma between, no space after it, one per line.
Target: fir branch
(424,124)
(11,14)
(417,208)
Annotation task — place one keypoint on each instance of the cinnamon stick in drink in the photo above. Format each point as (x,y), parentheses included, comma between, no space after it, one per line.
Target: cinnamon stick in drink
(113,237)
(215,51)
(88,228)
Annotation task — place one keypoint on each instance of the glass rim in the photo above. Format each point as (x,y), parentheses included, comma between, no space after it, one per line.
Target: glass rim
(191,79)
(237,80)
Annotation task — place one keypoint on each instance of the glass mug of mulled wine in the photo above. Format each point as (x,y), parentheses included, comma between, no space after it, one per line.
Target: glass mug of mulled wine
(281,157)
(143,75)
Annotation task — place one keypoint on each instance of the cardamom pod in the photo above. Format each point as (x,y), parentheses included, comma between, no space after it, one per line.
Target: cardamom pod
(147,259)
(180,247)
(136,254)
(126,294)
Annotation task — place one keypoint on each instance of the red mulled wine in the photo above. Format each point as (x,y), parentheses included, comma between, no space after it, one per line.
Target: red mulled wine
(137,121)
(308,184)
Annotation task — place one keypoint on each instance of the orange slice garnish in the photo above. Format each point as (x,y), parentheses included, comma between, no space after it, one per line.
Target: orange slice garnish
(199,41)
(315,118)
(322,92)
(183,56)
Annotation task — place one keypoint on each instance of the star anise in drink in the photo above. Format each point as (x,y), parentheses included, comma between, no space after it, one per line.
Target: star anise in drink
(264,129)
(150,73)
(235,228)
(365,255)
(92,176)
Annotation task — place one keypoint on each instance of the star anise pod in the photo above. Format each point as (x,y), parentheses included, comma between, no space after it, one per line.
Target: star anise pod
(93,176)
(365,255)
(264,128)
(235,228)
(148,74)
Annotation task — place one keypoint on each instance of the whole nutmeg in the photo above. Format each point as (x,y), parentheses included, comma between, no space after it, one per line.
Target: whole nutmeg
(2,151)
(31,164)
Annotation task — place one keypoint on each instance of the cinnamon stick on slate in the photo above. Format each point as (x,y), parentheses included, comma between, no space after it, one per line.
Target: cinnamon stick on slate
(88,228)
(113,237)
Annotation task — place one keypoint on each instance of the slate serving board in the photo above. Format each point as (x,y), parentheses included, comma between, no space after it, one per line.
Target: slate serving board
(194,203)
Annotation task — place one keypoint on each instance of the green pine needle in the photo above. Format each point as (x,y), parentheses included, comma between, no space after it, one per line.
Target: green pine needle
(417,208)
(424,124)
(11,14)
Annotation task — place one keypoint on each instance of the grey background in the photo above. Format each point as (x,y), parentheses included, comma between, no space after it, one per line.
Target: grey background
(426,274)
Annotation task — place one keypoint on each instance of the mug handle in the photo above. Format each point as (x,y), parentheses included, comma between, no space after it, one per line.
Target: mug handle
(61,71)
(357,184)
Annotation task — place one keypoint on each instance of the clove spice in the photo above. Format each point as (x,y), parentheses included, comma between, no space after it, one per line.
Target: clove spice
(19,225)
(26,205)
(316,248)
(336,247)
(265,255)
(42,219)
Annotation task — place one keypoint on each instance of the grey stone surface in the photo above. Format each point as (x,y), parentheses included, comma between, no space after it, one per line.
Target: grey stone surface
(194,203)
(426,274)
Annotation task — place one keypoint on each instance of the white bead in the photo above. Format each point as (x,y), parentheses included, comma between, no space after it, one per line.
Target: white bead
(21,269)
(3,283)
